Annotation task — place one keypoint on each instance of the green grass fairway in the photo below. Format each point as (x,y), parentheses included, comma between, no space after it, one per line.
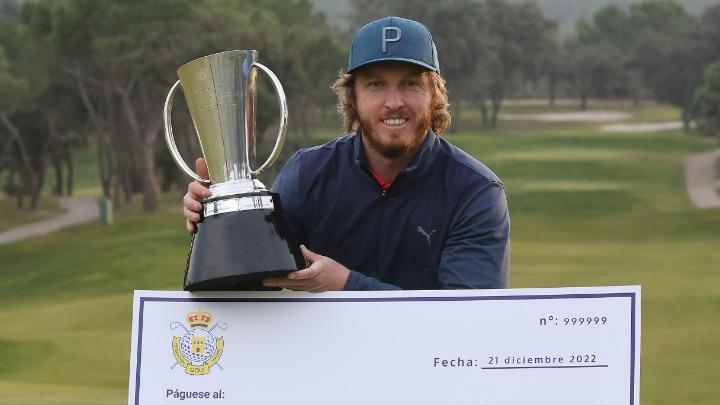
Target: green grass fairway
(69,295)
(587,209)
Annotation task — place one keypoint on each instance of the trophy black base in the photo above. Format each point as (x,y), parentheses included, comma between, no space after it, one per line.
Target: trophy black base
(237,250)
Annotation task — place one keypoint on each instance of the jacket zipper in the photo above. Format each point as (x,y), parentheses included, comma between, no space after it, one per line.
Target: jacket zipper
(379,241)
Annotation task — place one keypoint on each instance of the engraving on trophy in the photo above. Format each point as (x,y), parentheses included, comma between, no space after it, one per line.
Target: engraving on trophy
(228,100)
(201,99)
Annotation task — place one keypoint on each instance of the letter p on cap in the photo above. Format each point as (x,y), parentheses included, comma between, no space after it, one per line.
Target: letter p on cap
(385,39)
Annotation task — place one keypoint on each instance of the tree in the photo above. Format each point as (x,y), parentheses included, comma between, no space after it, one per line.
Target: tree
(679,69)
(551,66)
(28,121)
(707,101)
(637,39)
(132,44)
(654,26)
(597,56)
(592,70)
(519,37)
(14,155)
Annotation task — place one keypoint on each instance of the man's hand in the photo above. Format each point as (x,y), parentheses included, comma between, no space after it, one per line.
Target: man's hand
(323,274)
(192,201)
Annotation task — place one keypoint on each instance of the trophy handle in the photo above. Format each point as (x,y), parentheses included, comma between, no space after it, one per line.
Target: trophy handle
(170,139)
(283,119)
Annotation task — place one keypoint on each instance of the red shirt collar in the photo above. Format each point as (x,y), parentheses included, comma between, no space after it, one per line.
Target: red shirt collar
(380,181)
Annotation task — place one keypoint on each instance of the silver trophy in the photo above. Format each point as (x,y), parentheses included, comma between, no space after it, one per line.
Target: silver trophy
(242,237)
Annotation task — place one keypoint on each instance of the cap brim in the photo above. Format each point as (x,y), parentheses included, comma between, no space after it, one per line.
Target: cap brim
(411,61)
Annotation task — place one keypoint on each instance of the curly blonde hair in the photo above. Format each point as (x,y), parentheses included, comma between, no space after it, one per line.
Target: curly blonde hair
(344,89)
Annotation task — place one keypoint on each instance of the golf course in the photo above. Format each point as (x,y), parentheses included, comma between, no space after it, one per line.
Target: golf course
(588,208)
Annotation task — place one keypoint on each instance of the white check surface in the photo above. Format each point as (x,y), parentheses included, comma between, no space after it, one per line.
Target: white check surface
(515,346)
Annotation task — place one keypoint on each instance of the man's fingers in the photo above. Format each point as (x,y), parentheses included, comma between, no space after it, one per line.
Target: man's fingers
(191,203)
(201,168)
(191,215)
(318,289)
(192,200)
(296,280)
(283,282)
(309,254)
(200,191)
(190,226)
(304,274)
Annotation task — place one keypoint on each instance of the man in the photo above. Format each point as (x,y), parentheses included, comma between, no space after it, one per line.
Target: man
(391,205)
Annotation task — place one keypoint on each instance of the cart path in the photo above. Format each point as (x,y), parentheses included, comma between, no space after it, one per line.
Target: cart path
(569,116)
(77,210)
(700,179)
(643,126)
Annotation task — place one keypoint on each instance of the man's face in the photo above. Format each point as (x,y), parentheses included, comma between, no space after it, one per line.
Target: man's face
(394,103)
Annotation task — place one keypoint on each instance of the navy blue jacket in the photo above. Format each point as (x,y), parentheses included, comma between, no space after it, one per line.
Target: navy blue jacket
(443,224)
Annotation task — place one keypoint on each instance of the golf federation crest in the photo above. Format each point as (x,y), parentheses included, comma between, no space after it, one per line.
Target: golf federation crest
(198,350)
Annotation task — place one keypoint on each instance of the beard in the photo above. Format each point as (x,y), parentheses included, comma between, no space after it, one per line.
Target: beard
(400,148)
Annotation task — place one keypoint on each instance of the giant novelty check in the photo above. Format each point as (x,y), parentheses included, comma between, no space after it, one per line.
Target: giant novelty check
(516,346)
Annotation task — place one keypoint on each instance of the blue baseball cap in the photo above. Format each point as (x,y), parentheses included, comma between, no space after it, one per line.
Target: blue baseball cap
(393,38)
